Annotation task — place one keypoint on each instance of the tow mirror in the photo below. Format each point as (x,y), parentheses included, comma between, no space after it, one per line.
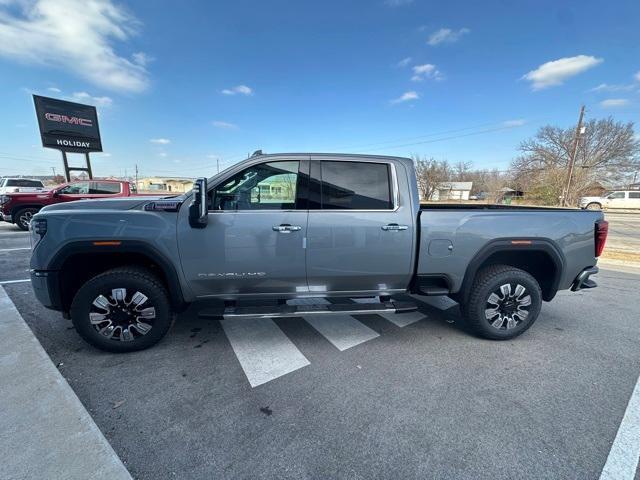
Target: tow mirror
(198,215)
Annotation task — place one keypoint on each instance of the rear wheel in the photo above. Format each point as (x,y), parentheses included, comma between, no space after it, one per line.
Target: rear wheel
(122,310)
(23,217)
(594,206)
(504,302)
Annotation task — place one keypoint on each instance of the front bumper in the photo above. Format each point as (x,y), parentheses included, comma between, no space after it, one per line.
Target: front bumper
(7,218)
(45,285)
(582,281)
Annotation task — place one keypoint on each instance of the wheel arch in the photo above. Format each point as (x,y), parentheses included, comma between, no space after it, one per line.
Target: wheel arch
(76,262)
(539,257)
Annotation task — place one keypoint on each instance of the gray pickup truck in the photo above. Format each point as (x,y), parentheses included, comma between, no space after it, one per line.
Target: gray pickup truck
(286,226)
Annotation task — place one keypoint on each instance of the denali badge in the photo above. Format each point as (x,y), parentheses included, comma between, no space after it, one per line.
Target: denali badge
(232,274)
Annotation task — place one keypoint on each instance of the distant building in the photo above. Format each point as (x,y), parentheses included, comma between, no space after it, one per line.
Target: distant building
(168,185)
(445,191)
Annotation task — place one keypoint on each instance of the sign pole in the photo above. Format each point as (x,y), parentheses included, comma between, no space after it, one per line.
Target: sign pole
(67,174)
(86,156)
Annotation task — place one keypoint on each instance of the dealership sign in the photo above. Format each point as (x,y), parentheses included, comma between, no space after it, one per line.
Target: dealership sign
(67,126)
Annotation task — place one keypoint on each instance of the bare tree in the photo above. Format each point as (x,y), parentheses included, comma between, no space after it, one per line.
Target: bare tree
(608,153)
(430,173)
(461,171)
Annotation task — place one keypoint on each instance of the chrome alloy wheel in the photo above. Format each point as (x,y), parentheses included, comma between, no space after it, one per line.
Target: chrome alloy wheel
(122,318)
(506,310)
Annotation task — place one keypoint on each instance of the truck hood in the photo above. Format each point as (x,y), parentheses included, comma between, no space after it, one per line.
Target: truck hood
(120,203)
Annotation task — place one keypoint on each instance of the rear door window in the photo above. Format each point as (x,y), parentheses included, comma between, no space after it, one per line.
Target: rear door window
(104,188)
(18,182)
(355,186)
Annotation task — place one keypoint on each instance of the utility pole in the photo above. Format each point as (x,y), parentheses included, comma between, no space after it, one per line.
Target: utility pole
(218,165)
(53,169)
(136,175)
(572,159)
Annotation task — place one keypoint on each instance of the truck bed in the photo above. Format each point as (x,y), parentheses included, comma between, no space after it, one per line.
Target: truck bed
(489,206)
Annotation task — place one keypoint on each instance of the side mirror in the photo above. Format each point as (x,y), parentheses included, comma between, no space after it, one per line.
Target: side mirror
(56,193)
(198,214)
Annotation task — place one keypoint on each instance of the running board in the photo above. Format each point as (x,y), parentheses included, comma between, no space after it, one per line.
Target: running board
(317,309)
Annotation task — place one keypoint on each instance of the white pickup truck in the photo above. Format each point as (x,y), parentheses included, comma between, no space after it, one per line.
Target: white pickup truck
(629,199)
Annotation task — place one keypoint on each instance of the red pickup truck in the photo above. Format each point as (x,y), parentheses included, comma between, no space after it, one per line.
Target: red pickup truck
(18,208)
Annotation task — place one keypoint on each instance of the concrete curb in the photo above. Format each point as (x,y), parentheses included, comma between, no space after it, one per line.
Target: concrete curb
(45,430)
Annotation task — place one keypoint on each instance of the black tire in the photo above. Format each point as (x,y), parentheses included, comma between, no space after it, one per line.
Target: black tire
(594,206)
(23,217)
(507,322)
(120,316)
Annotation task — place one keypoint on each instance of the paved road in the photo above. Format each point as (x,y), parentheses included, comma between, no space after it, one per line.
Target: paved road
(624,232)
(380,399)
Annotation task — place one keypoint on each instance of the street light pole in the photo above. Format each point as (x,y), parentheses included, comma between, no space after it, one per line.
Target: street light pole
(572,159)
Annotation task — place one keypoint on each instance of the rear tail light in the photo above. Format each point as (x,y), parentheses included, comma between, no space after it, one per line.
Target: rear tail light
(601,232)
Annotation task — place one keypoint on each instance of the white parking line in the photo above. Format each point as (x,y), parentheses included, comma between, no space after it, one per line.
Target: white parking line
(14,249)
(263,350)
(343,331)
(622,461)
(403,319)
(9,282)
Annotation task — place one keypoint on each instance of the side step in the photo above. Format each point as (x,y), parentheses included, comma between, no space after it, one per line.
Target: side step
(317,309)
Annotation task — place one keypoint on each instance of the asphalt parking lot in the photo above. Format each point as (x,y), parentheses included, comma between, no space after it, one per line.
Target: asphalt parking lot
(388,399)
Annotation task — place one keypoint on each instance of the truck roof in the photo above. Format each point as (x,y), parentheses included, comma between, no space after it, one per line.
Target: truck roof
(327,154)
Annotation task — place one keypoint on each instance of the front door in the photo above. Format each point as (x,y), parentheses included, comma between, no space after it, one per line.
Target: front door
(254,241)
(360,234)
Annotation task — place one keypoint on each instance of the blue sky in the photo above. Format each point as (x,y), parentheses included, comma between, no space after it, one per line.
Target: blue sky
(178,86)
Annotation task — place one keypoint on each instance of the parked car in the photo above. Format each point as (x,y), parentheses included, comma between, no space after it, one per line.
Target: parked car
(18,208)
(303,225)
(629,199)
(15,185)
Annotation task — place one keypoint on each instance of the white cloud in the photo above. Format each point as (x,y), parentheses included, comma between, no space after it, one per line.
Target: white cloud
(221,124)
(404,62)
(163,154)
(406,97)
(556,72)
(605,87)
(446,35)
(426,71)
(84,97)
(518,122)
(142,59)
(160,141)
(238,90)
(75,35)
(54,89)
(614,102)
(637,77)
(397,3)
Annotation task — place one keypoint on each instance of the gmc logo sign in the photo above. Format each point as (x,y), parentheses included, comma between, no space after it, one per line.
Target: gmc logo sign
(54,117)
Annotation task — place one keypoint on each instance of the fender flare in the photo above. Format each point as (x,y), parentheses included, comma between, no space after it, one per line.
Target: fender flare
(545,245)
(125,246)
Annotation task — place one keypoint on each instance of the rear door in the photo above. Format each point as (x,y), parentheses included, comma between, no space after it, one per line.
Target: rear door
(359,236)
(634,199)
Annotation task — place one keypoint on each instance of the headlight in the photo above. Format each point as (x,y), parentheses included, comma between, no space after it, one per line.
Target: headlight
(37,230)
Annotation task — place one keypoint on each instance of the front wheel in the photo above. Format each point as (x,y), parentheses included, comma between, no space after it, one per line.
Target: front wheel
(594,206)
(122,310)
(23,217)
(504,302)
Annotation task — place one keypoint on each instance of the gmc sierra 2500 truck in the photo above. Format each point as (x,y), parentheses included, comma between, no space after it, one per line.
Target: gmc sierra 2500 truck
(288,226)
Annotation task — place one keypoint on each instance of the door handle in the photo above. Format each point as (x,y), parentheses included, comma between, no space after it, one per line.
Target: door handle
(286,228)
(394,227)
